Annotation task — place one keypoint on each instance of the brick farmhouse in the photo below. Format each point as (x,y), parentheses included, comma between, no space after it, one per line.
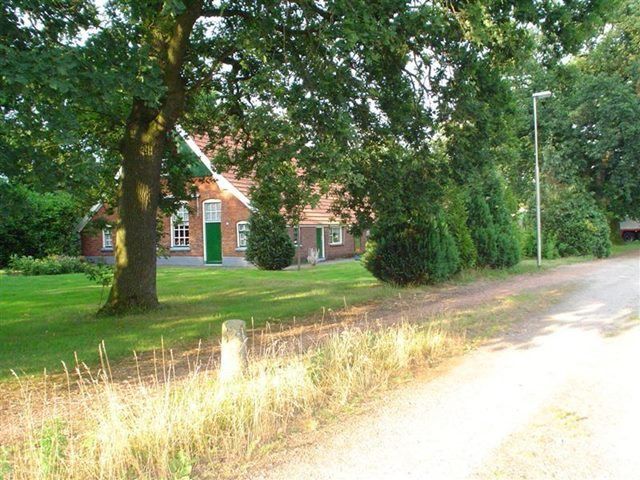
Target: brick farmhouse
(212,227)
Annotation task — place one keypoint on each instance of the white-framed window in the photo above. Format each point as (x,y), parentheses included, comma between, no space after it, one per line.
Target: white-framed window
(243,234)
(335,235)
(180,227)
(212,211)
(107,238)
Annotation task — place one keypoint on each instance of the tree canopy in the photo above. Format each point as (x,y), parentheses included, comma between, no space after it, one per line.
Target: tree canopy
(94,89)
(589,129)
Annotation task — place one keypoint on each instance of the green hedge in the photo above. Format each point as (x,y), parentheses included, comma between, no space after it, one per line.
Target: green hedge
(51,265)
(37,224)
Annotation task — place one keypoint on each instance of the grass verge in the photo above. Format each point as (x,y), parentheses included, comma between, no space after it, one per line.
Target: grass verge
(44,320)
(529,265)
(170,428)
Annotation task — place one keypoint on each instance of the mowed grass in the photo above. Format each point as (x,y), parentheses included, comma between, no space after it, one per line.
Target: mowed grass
(44,320)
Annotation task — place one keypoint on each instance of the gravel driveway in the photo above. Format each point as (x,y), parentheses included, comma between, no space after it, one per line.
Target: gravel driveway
(558,397)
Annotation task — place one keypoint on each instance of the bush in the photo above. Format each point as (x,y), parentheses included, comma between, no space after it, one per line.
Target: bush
(482,229)
(412,253)
(529,247)
(51,265)
(574,220)
(492,228)
(507,242)
(269,246)
(457,218)
(37,224)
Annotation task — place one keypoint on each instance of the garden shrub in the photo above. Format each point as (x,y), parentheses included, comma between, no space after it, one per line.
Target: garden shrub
(492,229)
(482,229)
(550,247)
(576,223)
(457,218)
(529,247)
(37,224)
(51,265)
(269,246)
(412,252)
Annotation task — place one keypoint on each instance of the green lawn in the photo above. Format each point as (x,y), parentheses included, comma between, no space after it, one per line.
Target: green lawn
(45,319)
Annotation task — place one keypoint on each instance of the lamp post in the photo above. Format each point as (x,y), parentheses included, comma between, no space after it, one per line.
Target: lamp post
(536,96)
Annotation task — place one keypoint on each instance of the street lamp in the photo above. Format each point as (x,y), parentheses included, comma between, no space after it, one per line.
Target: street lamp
(536,97)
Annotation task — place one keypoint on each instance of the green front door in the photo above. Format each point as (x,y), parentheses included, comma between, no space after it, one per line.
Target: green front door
(212,233)
(320,241)
(214,243)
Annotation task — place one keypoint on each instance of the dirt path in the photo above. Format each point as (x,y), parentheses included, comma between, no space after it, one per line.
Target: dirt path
(558,397)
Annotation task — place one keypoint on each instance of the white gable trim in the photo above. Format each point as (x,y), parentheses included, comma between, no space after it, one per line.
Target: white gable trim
(83,223)
(222,182)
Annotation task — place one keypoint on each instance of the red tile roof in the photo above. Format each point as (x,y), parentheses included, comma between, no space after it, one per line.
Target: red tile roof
(319,215)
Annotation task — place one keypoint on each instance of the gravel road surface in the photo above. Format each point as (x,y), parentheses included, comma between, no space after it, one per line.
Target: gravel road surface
(558,397)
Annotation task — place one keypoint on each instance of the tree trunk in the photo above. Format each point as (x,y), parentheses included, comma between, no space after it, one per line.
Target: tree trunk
(134,282)
(142,148)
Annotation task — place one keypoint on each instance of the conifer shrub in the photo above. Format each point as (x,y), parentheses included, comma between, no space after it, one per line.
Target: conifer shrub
(481,228)
(457,218)
(269,246)
(507,241)
(413,252)
(492,229)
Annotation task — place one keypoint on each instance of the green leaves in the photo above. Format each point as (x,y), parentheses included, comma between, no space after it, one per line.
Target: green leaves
(269,245)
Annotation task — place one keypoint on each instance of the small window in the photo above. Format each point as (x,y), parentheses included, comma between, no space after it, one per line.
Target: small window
(335,235)
(243,234)
(180,227)
(107,239)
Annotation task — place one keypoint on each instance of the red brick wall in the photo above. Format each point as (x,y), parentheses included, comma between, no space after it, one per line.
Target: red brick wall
(233,211)
(345,250)
(91,237)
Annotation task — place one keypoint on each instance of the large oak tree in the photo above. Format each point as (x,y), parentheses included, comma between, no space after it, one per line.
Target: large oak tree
(268,81)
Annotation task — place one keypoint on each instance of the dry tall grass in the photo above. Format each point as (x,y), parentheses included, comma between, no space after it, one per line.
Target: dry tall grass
(163,428)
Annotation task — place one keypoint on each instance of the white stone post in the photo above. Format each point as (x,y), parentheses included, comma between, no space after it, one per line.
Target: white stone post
(233,350)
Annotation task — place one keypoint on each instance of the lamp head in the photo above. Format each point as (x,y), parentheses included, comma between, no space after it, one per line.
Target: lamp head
(540,95)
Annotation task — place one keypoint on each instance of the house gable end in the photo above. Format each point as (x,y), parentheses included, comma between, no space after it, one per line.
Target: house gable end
(222,182)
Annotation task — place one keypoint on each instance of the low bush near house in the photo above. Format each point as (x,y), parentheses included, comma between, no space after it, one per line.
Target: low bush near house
(51,265)
(415,253)
(269,245)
